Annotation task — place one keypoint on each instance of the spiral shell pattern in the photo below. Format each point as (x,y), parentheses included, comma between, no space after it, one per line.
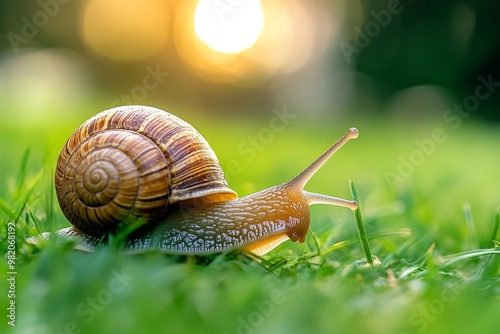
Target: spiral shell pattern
(130,163)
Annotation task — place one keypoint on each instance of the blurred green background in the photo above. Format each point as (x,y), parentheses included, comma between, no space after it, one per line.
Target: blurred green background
(324,62)
(421,81)
(324,57)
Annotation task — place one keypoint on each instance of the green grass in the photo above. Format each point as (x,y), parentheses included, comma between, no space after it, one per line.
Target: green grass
(436,267)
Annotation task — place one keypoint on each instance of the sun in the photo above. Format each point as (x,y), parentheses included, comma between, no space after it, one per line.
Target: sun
(229,26)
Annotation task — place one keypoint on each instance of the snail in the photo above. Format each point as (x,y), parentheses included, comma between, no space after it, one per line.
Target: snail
(138,163)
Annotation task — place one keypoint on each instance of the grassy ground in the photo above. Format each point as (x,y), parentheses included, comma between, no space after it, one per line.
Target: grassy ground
(436,265)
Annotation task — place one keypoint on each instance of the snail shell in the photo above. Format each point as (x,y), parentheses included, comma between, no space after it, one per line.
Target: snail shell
(138,163)
(131,163)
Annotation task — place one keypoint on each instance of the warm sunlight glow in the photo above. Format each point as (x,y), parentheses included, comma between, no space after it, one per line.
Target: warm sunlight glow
(229,26)
(125,30)
(218,40)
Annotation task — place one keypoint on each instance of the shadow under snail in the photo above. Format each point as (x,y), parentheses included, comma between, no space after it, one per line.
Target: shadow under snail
(137,163)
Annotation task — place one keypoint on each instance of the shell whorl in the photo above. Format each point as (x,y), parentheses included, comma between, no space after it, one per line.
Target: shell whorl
(130,163)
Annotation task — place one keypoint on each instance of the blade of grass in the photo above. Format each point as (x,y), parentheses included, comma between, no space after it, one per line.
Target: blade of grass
(9,210)
(402,233)
(473,242)
(28,193)
(21,175)
(454,258)
(449,260)
(316,244)
(29,213)
(494,230)
(487,264)
(49,179)
(363,237)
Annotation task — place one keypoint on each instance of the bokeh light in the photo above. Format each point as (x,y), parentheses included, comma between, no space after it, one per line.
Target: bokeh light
(229,27)
(125,30)
(290,40)
(293,35)
(42,86)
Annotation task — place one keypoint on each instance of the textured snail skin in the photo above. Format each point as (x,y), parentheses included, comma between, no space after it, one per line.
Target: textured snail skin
(141,164)
(257,223)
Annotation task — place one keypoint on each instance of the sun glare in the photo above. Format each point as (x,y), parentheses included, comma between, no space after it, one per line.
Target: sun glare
(229,26)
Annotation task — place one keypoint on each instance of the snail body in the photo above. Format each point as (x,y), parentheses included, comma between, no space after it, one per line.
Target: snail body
(137,163)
